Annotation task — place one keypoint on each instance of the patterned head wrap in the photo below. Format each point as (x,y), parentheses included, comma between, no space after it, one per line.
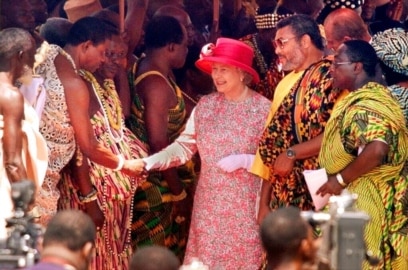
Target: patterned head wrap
(391,47)
(335,4)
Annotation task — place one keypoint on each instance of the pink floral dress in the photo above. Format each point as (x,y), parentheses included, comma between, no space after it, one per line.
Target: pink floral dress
(223,233)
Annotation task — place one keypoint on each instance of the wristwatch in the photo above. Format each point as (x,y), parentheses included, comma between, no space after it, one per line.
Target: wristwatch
(290,153)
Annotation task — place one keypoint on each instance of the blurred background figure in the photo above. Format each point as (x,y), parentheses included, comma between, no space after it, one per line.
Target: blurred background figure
(154,258)
(288,240)
(23,150)
(68,243)
(391,47)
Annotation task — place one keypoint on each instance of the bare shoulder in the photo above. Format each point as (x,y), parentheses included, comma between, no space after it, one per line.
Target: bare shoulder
(10,98)
(155,87)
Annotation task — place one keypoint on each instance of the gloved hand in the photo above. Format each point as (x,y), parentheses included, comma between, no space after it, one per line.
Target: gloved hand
(234,162)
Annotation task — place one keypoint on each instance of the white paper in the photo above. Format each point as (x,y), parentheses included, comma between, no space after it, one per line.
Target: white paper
(314,180)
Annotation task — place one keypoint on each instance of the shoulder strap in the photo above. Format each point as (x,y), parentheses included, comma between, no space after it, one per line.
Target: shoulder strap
(148,73)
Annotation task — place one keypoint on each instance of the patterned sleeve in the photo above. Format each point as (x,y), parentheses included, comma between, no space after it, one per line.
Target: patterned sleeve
(367,127)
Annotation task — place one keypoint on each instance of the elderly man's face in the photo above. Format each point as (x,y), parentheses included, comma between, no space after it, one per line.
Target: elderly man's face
(332,43)
(288,49)
(342,69)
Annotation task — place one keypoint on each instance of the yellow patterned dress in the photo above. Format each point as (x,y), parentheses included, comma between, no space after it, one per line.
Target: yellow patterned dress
(369,114)
(115,189)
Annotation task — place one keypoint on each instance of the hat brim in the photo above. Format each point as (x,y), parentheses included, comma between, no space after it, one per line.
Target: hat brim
(205,64)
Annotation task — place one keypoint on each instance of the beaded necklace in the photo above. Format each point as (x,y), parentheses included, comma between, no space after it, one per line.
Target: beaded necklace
(189,98)
(69,58)
(259,57)
(115,126)
(127,249)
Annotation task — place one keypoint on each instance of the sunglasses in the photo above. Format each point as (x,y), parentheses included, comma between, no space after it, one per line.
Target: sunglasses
(280,42)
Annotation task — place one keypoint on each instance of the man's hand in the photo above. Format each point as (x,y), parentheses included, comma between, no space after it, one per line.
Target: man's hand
(283,165)
(331,187)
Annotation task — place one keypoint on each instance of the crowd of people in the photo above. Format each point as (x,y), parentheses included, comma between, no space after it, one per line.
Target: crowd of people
(160,135)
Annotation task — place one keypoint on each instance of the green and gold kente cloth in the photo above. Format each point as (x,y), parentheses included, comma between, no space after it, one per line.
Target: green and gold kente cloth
(152,222)
(369,114)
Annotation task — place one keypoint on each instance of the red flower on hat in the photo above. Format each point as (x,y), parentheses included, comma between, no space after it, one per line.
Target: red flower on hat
(207,50)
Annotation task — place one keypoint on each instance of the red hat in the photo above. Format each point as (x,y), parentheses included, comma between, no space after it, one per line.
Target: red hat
(228,51)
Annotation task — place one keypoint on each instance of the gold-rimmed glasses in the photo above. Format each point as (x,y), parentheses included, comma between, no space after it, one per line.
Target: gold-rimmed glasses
(280,42)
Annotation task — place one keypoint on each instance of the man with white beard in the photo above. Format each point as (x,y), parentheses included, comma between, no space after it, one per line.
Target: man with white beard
(23,150)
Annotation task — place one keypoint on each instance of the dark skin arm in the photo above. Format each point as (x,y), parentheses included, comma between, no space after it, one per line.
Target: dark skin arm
(77,98)
(265,199)
(12,109)
(284,165)
(80,178)
(371,157)
(156,118)
(135,16)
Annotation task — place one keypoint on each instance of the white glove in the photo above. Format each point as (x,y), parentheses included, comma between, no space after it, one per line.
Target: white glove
(234,162)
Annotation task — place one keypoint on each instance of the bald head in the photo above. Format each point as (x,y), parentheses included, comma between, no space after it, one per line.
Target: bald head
(180,15)
(154,258)
(344,24)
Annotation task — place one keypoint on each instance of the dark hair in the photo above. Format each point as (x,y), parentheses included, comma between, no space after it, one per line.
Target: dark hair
(89,29)
(282,232)
(154,258)
(161,31)
(361,51)
(303,25)
(55,30)
(70,228)
(13,40)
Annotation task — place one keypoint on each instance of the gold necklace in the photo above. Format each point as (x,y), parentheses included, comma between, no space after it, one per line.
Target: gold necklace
(102,95)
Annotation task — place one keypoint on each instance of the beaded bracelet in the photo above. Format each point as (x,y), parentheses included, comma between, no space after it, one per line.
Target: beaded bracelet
(181,196)
(121,163)
(90,197)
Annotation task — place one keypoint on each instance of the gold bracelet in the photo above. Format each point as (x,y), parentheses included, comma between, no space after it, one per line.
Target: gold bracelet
(90,197)
(181,196)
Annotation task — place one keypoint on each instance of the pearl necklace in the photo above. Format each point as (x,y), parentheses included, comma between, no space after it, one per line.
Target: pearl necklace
(101,95)
(127,248)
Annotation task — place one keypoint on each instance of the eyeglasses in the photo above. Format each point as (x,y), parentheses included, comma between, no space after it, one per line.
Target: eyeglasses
(337,64)
(280,42)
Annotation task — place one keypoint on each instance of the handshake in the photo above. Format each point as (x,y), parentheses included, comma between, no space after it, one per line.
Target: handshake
(140,167)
